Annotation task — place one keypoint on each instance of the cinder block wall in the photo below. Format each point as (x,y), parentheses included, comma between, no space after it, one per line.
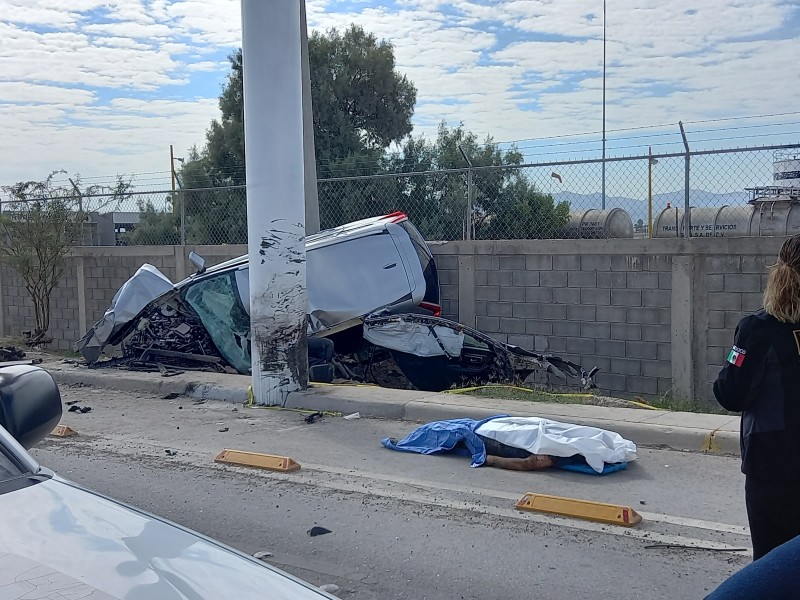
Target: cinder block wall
(657,316)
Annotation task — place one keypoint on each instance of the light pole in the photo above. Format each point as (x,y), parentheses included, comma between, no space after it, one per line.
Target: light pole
(604,105)
(172,159)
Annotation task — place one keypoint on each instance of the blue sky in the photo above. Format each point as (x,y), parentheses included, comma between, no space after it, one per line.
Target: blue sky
(104,87)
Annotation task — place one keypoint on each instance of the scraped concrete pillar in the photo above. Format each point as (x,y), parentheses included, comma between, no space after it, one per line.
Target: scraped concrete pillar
(273,117)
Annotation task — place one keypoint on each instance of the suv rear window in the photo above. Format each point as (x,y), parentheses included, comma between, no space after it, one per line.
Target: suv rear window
(427,262)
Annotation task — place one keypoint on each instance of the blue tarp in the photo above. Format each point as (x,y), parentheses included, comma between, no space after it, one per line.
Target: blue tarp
(444,436)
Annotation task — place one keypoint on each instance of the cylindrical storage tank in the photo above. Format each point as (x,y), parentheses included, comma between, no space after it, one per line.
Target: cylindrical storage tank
(776,219)
(786,173)
(599,224)
(718,221)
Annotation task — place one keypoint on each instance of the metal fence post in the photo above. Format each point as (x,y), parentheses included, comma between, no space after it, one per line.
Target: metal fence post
(687,211)
(182,196)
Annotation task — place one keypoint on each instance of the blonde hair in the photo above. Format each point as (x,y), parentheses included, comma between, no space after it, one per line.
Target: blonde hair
(782,296)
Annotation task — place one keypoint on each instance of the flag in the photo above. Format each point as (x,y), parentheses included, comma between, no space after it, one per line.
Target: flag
(555,175)
(736,356)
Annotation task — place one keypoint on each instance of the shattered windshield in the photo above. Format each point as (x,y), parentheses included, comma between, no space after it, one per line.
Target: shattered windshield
(216,301)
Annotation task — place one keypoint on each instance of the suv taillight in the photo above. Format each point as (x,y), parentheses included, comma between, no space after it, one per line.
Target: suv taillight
(434,308)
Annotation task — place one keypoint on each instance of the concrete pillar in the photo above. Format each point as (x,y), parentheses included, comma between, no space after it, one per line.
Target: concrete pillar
(2,308)
(466,290)
(310,161)
(180,262)
(81,284)
(273,117)
(683,365)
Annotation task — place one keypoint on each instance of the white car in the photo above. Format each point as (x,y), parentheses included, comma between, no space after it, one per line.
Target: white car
(60,540)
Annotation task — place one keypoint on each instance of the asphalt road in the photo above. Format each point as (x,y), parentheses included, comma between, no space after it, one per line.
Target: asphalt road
(404,526)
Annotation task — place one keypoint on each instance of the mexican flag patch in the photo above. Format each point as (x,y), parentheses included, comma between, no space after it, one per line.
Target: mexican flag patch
(736,356)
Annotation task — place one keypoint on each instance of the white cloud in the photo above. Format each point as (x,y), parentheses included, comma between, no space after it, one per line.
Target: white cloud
(510,68)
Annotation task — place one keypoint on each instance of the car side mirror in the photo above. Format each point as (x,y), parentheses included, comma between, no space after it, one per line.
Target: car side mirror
(198,261)
(30,403)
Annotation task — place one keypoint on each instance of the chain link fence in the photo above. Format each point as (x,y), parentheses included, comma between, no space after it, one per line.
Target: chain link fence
(644,196)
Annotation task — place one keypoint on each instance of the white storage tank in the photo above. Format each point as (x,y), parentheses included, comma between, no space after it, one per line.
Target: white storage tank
(599,224)
(762,219)
(718,221)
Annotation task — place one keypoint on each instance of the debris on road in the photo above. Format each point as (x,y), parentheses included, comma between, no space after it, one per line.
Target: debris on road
(355,415)
(169,452)
(170,396)
(223,429)
(688,547)
(315,531)
(262,555)
(80,409)
(330,588)
(313,417)
(522,444)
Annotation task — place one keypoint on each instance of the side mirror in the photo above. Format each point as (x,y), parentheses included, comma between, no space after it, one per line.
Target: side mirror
(198,261)
(30,403)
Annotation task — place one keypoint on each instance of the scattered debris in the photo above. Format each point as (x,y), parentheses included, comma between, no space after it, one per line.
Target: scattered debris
(80,409)
(71,402)
(355,415)
(11,353)
(263,554)
(169,452)
(330,588)
(223,429)
(170,396)
(313,417)
(642,502)
(315,531)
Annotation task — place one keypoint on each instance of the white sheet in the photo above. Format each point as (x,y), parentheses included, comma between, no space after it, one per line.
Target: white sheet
(542,436)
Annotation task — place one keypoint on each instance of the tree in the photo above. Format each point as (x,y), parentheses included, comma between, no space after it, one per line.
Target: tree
(39,225)
(506,205)
(361,105)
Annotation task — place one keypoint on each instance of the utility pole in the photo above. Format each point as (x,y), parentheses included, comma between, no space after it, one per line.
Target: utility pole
(274,155)
(604,105)
(310,161)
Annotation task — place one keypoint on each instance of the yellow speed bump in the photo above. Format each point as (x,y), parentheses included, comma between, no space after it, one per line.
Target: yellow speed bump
(612,514)
(271,462)
(63,431)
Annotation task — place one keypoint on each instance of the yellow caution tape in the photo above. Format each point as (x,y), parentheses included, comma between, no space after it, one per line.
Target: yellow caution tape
(543,393)
(252,404)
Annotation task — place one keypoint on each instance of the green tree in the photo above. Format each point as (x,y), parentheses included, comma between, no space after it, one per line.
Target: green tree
(506,205)
(39,225)
(361,105)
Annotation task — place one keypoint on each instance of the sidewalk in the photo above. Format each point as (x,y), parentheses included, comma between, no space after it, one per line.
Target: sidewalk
(677,430)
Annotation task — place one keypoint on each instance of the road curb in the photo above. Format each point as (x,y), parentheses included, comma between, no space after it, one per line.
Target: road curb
(421,407)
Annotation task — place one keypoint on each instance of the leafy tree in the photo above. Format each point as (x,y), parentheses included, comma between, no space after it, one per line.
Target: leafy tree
(39,226)
(155,227)
(361,105)
(506,205)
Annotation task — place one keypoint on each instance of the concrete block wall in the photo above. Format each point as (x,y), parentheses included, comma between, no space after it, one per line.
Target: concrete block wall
(656,316)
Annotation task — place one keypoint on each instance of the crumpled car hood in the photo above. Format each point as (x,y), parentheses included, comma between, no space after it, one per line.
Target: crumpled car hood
(146,285)
(60,540)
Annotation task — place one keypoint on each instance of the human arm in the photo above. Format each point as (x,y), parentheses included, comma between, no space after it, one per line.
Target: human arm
(744,366)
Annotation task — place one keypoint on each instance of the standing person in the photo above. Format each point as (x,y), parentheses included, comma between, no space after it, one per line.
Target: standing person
(761,379)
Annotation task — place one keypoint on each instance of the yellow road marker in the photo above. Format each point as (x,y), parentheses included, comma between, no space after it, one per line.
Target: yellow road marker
(613,514)
(257,460)
(63,431)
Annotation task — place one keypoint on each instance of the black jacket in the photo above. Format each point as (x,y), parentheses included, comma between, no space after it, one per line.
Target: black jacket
(761,379)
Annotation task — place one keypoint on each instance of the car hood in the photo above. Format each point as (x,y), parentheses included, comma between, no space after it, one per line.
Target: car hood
(60,540)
